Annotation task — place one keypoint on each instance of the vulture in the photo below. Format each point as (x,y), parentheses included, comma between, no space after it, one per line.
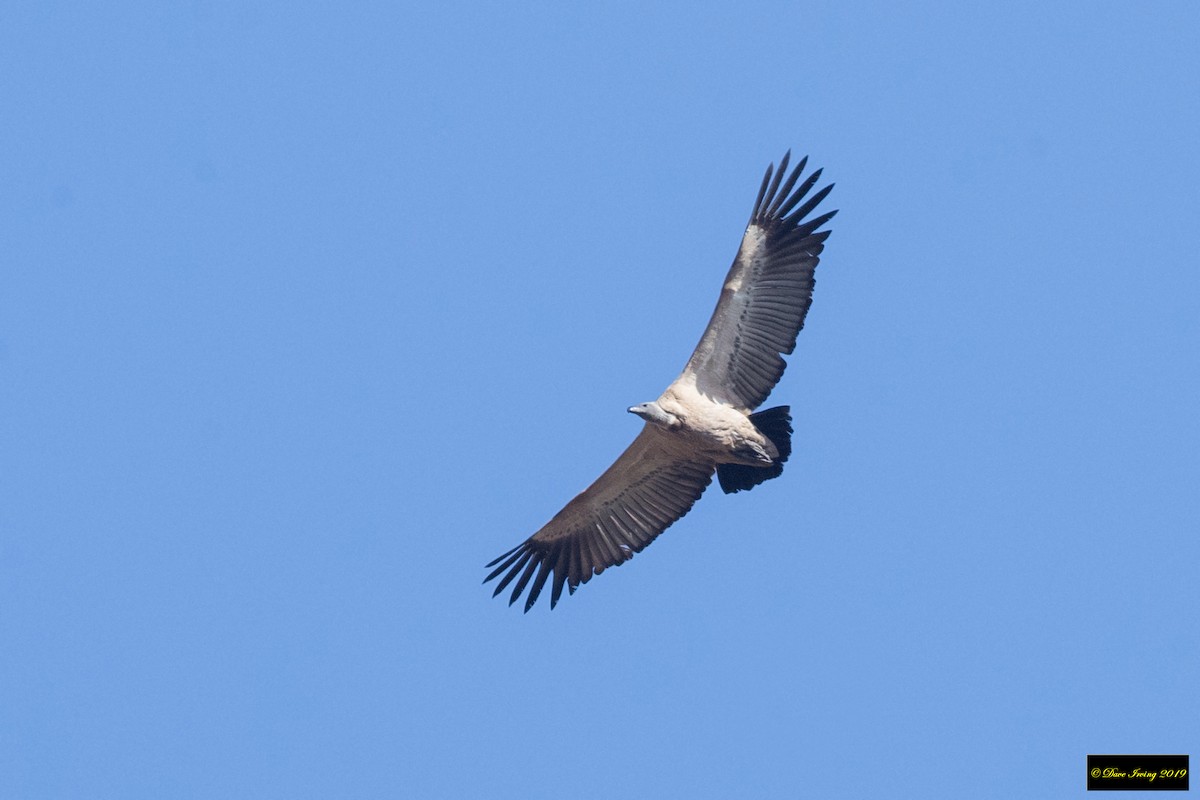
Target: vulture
(705,421)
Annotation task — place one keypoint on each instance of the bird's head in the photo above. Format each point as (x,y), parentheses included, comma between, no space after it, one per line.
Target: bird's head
(653,412)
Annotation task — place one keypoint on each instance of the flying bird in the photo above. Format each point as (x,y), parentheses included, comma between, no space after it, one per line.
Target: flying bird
(705,421)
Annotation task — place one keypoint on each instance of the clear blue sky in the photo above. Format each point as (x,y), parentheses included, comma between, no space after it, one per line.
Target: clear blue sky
(307,312)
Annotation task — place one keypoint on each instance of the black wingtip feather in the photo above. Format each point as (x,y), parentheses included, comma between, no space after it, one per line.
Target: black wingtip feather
(510,557)
(785,208)
(786,190)
(513,571)
(762,190)
(524,580)
(776,178)
(560,576)
(536,589)
(804,210)
(500,558)
(806,230)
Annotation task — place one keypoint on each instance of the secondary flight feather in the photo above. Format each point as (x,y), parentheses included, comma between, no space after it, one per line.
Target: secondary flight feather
(705,420)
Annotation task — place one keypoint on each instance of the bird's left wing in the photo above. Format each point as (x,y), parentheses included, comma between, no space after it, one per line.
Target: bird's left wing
(647,488)
(766,294)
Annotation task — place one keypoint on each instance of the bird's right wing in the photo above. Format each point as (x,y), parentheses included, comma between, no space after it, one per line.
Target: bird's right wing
(647,488)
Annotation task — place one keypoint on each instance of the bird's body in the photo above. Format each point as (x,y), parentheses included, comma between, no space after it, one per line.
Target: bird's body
(711,429)
(705,421)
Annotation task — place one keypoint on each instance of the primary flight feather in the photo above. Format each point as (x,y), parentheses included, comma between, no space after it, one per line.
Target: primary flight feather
(704,421)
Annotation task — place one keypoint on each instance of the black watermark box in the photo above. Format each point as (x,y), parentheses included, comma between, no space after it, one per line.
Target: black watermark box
(1137,772)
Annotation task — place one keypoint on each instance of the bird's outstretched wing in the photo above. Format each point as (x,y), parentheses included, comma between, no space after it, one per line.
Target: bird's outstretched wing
(766,294)
(647,488)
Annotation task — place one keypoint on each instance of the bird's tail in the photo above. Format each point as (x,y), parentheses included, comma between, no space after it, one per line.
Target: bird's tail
(776,425)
